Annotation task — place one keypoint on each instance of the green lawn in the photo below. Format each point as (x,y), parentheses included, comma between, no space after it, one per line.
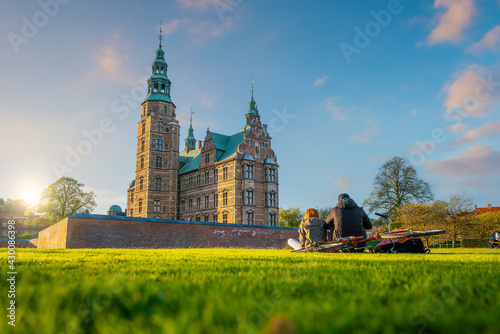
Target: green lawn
(244,291)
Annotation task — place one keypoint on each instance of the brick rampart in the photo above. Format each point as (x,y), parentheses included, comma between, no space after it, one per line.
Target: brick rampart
(100,231)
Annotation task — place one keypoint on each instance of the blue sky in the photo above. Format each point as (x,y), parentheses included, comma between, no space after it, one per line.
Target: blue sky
(344,86)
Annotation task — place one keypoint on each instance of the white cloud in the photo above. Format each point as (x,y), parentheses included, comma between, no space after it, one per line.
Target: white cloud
(490,41)
(320,81)
(108,59)
(474,89)
(452,22)
(476,161)
(488,130)
(337,112)
(173,25)
(457,127)
(345,182)
(206,29)
(198,4)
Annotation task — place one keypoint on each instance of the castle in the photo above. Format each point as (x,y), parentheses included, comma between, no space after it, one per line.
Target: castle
(226,179)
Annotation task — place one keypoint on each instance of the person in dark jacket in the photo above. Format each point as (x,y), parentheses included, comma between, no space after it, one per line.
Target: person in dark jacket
(347,219)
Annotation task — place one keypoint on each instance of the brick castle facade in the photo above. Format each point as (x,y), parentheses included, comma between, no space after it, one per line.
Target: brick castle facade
(226,179)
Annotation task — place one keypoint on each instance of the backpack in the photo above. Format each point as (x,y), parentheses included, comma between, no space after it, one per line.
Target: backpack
(413,245)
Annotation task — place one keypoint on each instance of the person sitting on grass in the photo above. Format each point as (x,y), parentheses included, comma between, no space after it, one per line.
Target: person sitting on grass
(311,229)
(347,219)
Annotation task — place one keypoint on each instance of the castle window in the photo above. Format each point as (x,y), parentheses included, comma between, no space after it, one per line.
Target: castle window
(144,111)
(159,144)
(271,175)
(164,186)
(157,206)
(190,204)
(163,88)
(216,200)
(224,217)
(225,173)
(248,200)
(207,158)
(166,129)
(142,162)
(143,125)
(207,217)
(131,196)
(183,206)
(207,202)
(159,161)
(141,183)
(248,171)
(185,182)
(198,180)
(207,177)
(224,197)
(251,142)
(216,175)
(140,205)
(250,218)
(158,183)
(272,219)
(197,218)
(131,212)
(271,199)
(257,149)
(143,144)
(216,217)
(165,112)
(190,181)
(164,209)
(155,87)
(159,126)
(198,203)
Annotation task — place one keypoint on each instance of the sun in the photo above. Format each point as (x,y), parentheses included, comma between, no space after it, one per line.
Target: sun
(30,195)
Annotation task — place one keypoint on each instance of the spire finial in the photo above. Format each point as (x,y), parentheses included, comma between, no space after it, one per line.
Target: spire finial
(191,118)
(160,37)
(252,87)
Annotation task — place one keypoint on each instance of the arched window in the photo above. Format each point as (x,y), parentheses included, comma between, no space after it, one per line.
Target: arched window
(198,203)
(141,183)
(143,144)
(273,221)
(207,177)
(143,127)
(158,183)
(142,162)
(216,217)
(225,197)
(207,202)
(163,88)
(155,88)
(225,173)
(197,218)
(224,217)
(271,199)
(140,206)
(216,175)
(248,197)
(164,209)
(250,218)
(157,205)
(132,196)
(216,200)
(198,180)
(190,204)
(207,217)
(159,161)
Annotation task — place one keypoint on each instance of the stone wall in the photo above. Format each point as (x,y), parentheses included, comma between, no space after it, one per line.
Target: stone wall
(100,231)
(20,243)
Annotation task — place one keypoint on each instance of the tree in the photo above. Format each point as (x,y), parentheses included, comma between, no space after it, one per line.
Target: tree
(13,206)
(64,198)
(397,184)
(324,212)
(458,221)
(290,217)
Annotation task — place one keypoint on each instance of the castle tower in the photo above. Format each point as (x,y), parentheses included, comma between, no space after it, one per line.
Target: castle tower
(154,191)
(190,140)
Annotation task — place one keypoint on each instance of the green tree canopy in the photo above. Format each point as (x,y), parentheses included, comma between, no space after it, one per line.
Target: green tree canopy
(397,184)
(290,217)
(14,206)
(64,198)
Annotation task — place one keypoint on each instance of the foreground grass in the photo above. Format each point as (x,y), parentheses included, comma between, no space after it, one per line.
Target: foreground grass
(250,291)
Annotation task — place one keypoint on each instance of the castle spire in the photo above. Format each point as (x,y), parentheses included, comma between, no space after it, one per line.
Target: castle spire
(159,84)
(190,140)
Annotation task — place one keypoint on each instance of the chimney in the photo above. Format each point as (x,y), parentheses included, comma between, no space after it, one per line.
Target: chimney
(187,148)
(199,144)
(475,206)
(489,206)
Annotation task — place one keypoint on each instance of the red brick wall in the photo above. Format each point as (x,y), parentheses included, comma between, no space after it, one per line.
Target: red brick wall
(99,231)
(54,236)
(19,243)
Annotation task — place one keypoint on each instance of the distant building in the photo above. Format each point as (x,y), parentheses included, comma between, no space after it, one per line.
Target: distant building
(478,211)
(227,179)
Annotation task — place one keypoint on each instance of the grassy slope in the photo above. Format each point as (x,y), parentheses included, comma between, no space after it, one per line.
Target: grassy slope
(241,291)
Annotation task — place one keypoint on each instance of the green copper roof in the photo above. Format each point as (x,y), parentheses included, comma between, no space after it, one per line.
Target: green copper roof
(158,97)
(226,147)
(115,208)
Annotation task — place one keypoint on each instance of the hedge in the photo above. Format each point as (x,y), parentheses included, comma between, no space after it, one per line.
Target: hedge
(475,243)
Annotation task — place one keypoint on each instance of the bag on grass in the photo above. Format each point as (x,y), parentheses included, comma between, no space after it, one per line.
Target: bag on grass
(410,245)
